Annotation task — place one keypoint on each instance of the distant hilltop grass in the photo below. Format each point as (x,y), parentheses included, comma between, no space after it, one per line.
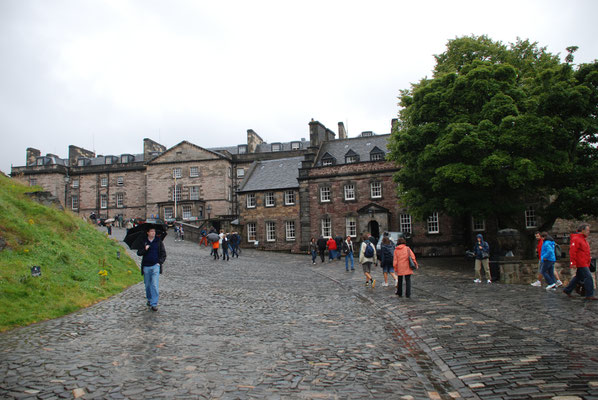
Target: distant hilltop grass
(79,264)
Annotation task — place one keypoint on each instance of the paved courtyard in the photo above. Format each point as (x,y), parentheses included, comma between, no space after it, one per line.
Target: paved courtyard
(270,325)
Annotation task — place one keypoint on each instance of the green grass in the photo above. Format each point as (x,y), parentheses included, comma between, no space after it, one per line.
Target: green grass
(70,251)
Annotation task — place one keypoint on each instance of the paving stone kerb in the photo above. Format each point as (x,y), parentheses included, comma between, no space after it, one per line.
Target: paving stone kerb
(271,325)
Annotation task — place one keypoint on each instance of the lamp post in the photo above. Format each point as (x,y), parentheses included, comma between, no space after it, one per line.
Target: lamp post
(209,210)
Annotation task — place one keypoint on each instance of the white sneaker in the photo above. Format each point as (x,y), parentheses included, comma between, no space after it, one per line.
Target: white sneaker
(537,283)
(551,286)
(489,281)
(477,281)
(385,284)
(559,283)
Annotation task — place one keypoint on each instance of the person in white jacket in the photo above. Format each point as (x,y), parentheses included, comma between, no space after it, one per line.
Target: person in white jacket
(367,257)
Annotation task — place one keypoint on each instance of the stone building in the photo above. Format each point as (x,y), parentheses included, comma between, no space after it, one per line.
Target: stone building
(270,204)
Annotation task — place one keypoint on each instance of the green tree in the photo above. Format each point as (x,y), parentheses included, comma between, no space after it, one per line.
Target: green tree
(497,128)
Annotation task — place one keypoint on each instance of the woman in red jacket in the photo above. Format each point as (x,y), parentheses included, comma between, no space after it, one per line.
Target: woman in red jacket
(579,254)
(401,267)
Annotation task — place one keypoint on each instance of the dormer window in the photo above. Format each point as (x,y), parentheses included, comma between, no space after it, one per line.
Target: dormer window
(242,148)
(327,159)
(351,157)
(367,133)
(276,147)
(295,145)
(377,155)
(110,160)
(127,158)
(82,162)
(40,161)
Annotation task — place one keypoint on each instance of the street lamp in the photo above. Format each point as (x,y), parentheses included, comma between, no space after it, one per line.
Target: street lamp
(208,210)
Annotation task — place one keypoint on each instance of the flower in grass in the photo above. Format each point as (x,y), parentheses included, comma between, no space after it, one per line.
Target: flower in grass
(31,222)
(103,272)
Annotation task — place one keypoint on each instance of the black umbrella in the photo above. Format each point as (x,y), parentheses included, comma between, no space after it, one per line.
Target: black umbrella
(137,235)
(213,237)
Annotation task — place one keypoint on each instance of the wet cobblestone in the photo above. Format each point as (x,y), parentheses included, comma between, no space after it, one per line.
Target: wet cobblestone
(274,326)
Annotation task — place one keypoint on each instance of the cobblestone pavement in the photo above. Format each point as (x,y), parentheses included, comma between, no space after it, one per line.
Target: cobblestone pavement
(271,325)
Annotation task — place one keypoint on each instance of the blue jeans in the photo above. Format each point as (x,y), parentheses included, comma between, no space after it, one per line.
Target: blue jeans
(582,274)
(548,272)
(347,257)
(314,255)
(332,254)
(150,278)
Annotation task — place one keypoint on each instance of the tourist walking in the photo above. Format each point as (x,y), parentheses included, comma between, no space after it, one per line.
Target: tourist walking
(539,242)
(322,247)
(482,256)
(348,250)
(225,242)
(402,267)
(339,245)
(215,246)
(181,232)
(153,256)
(331,244)
(313,250)
(547,260)
(235,240)
(387,249)
(367,257)
(580,258)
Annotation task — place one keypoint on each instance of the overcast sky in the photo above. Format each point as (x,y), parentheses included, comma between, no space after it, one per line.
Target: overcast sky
(103,75)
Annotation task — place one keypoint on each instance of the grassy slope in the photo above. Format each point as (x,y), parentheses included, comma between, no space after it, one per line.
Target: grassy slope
(70,252)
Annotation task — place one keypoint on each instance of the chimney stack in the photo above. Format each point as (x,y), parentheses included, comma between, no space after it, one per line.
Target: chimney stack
(32,155)
(342,133)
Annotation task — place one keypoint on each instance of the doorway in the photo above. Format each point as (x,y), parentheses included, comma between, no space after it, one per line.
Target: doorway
(374,229)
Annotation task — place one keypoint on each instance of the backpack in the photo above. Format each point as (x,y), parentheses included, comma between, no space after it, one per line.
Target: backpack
(558,253)
(369,250)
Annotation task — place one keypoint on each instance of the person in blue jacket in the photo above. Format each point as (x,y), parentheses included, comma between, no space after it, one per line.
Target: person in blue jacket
(482,256)
(548,258)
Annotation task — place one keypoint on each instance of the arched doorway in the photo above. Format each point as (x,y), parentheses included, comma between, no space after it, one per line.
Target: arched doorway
(374,229)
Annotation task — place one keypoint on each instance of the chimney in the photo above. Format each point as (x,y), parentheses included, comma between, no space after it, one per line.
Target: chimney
(149,147)
(77,152)
(342,133)
(253,140)
(32,155)
(394,125)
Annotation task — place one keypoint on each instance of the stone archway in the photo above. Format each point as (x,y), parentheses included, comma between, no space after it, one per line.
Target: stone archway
(374,228)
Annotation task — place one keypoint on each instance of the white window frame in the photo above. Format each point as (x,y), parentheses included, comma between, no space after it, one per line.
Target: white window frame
(240,172)
(530,218)
(290,230)
(75,183)
(376,190)
(289,197)
(193,192)
(349,191)
(251,232)
(177,173)
(120,200)
(242,149)
(351,226)
(325,194)
(376,156)
(276,147)
(250,200)
(326,225)
(295,145)
(269,199)
(433,223)
(351,159)
(405,223)
(187,211)
(478,224)
(104,182)
(74,202)
(103,201)
(120,181)
(176,193)
(193,172)
(168,212)
(32,182)
(327,162)
(270,231)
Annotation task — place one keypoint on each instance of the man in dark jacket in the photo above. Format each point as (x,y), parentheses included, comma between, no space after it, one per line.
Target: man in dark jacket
(153,256)
(482,256)
(339,245)
(321,247)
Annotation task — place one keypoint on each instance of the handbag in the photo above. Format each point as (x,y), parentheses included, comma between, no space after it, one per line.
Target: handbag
(412,263)
(593,265)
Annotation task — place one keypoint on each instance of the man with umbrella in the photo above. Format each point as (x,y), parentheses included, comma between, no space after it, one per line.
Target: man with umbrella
(143,238)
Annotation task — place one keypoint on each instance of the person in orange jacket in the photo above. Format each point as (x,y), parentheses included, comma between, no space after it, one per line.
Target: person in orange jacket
(402,268)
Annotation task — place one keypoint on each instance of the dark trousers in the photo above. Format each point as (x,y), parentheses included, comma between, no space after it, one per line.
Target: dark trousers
(322,255)
(233,250)
(582,275)
(407,286)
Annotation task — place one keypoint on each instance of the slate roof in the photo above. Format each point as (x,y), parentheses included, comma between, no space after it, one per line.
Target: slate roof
(265,147)
(272,174)
(362,146)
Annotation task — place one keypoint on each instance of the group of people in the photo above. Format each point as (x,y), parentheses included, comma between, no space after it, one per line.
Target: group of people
(179,233)
(227,241)
(548,252)
(397,260)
